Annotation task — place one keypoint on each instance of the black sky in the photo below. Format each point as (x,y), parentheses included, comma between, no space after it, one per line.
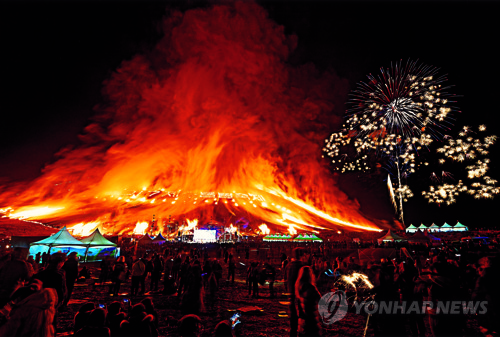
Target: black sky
(55,56)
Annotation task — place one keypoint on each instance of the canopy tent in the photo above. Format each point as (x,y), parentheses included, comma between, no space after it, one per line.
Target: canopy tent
(96,239)
(459,228)
(307,238)
(277,237)
(61,238)
(270,237)
(446,228)
(422,227)
(145,240)
(411,229)
(390,236)
(62,241)
(434,228)
(159,239)
(98,247)
(419,237)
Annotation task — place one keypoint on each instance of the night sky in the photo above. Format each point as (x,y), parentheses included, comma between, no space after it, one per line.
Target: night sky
(55,56)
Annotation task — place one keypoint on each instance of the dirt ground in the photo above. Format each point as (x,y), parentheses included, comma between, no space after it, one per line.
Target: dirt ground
(272,321)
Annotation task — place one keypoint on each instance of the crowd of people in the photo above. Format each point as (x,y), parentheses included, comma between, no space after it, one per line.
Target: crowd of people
(35,290)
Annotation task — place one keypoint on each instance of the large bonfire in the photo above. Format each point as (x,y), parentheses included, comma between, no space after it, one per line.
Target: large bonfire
(212,124)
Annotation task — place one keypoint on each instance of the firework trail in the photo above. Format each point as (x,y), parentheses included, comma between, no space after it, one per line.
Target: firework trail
(391,192)
(357,280)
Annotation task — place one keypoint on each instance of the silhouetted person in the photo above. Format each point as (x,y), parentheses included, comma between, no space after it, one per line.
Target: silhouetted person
(54,276)
(71,269)
(307,296)
(231,269)
(12,272)
(118,276)
(138,270)
(293,272)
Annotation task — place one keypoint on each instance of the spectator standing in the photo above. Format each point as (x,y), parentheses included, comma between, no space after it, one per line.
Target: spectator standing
(156,273)
(307,296)
(12,273)
(70,267)
(231,269)
(118,275)
(148,262)
(54,276)
(293,271)
(103,276)
(253,280)
(192,299)
(271,278)
(138,270)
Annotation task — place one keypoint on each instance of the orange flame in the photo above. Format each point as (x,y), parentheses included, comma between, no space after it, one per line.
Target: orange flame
(264,229)
(33,212)
(84,229)
(231,229)
(140,228)
(191,224)
(212,125)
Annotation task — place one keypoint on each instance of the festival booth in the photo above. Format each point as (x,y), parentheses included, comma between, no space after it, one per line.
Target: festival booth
(390,236)
(446,228)
(159,239)
(459,228)
(99,247)
(411,229)
(434,228)
(145,240)
(277,238)
(419,237)
(60,242)
(422,227)
(307,238)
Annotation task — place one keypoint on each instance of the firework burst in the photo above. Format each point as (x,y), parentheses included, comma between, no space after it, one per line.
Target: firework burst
(391,118)
(396,113)
(468,150)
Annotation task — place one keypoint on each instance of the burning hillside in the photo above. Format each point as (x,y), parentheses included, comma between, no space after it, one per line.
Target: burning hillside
(211,124)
